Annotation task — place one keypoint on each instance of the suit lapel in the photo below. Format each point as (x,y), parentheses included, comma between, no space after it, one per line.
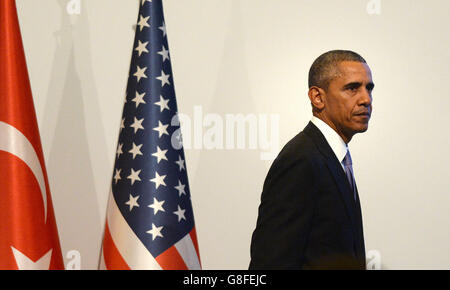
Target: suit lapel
(336,171)
(344,188)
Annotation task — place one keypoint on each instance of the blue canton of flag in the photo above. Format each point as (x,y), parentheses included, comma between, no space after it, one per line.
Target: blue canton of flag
(150,208)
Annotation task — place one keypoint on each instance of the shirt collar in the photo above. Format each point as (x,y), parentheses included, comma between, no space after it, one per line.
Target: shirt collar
(334,140)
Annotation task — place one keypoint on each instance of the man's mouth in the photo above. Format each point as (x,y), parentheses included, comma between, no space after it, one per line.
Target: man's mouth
(364,113)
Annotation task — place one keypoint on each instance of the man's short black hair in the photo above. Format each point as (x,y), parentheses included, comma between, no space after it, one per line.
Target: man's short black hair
(324,68)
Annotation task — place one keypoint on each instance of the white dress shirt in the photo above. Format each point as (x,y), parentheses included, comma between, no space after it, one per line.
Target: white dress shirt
(334,140)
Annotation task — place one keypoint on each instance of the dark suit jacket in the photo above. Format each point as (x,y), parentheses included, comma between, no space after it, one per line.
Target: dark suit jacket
(308,218)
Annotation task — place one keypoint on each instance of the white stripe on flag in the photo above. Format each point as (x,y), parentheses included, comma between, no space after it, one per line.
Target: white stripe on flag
(187,251)
(127,243)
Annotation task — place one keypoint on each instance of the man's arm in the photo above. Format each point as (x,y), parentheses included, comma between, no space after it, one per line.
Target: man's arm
(285,215)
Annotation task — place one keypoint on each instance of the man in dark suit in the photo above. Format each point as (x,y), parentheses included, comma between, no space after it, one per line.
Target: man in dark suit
(310,213)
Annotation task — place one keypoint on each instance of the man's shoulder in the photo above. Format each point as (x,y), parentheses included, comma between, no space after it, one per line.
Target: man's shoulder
(300,146)
(300,151)
(299,157)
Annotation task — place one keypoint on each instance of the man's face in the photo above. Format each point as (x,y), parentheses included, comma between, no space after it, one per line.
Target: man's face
(348,102)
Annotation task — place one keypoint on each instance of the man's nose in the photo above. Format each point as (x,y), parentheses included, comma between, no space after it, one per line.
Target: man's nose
(365,98)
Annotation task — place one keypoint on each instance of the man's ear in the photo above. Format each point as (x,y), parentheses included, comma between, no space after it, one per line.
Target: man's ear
(317,98)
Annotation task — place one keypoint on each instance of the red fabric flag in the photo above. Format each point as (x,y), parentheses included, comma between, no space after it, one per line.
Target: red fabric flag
(28,232)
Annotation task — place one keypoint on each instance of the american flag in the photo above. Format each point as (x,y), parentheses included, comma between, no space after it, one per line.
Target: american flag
(150,222)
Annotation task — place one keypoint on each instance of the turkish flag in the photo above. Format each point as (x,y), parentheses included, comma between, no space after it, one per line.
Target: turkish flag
(28,232)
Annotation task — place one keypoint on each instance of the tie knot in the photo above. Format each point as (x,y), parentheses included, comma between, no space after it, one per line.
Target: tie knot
(347,160)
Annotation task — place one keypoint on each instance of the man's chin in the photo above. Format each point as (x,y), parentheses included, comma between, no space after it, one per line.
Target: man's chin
(362,128)
(359,127)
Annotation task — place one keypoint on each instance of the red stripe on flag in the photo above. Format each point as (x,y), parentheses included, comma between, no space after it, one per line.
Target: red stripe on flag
(193,235)
(112,256)
(171,260)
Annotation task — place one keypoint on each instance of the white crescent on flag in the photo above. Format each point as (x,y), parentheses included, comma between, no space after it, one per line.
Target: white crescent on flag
(14,142)
(25,263)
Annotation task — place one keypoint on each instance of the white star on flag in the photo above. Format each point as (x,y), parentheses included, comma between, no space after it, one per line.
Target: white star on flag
(142,47)
(143,22)
(163,29)
(140,73)
(157,206)
(180,163)
(161,129)
(158,180)
(139,99)
(155,231)
(164,53)
(132,202)
(117,175)
(164,79)
(160,154)
(180,214)
(119,150)
(180,187)
(134,176)
(136,150)
(163,104)
(137,124)
(122,123)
